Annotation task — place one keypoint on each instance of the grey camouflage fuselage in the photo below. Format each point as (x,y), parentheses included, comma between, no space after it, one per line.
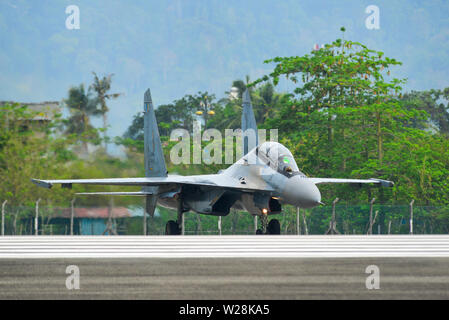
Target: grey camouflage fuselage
(266,177)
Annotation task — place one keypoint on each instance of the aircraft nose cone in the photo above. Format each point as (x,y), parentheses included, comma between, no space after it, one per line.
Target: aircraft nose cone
(301,193)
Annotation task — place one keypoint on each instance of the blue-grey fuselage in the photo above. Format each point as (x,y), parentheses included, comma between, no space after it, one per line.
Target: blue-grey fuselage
(264,179)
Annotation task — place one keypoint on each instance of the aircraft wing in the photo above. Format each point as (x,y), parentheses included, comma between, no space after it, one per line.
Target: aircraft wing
(213,180)
(383,183)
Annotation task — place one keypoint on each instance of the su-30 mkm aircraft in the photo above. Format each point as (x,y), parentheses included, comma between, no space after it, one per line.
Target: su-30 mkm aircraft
(260,182)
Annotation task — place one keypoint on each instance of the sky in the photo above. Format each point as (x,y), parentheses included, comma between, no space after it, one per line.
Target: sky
(181,47)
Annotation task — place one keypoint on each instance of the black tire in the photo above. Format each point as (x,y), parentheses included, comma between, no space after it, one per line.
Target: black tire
(274,227)
(259,231)
(172,228)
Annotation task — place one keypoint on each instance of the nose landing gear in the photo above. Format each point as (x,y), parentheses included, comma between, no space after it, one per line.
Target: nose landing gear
(272,227)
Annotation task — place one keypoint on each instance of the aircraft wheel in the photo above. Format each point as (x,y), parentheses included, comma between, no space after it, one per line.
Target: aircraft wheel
(172,228)
(259,231)
(274,227)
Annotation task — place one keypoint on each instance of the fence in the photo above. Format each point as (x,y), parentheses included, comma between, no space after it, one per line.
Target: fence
(349,219)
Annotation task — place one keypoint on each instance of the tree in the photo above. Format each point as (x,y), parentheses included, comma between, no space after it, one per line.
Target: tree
(346,119)
(431,101)
(266,101)
(29,149)
(179,114)
(81,106)
(240,85)
(101,87)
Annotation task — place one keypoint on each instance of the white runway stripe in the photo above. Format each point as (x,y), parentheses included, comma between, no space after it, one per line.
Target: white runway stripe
(254,246)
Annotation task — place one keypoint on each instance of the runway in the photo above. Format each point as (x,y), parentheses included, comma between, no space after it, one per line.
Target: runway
(225,278)
(255,246)
(225,267)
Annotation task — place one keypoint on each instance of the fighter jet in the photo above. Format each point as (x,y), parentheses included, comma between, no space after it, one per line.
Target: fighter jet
(263,180)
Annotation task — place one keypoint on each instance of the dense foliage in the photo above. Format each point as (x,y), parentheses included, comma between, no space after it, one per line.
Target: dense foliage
(346,117)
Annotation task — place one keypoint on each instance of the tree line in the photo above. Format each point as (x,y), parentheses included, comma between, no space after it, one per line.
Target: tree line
(347,116)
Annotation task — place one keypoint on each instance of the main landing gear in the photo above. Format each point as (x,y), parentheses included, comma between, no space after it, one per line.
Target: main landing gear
(172,228)
(175,227)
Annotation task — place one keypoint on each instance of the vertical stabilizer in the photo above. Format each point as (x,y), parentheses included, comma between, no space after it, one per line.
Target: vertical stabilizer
(249,126)
(153,154)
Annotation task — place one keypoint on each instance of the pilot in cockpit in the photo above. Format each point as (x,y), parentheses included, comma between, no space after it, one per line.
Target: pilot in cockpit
(279,158)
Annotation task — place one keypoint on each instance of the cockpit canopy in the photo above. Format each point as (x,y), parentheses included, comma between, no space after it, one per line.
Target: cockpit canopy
(278,157)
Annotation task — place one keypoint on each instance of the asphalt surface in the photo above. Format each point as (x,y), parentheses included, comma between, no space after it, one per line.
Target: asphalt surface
(227,267)
(225,278)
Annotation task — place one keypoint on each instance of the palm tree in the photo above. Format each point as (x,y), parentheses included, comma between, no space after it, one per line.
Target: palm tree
(81,107)
(267,101)
(232,107)
(264,98)
(101,87)
(240,85)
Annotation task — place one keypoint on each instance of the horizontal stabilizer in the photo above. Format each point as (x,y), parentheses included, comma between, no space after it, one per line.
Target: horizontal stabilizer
(42,183)
(136,193)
